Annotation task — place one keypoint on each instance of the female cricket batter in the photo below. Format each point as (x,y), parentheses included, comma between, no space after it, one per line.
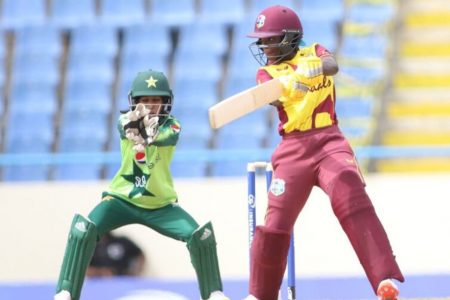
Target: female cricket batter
(142,192)
(313,152)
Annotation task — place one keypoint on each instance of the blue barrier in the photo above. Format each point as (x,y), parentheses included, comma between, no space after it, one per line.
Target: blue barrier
(213,155)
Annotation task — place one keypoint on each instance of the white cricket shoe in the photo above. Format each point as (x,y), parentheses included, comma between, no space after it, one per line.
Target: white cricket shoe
(63,295)
(387,290)
(218,295)
(251,297)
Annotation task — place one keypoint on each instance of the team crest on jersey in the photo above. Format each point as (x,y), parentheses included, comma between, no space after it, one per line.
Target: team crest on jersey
(140,157)
(260,21)
(277,187)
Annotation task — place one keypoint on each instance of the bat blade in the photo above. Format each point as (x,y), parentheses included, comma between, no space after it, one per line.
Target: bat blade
(244,102)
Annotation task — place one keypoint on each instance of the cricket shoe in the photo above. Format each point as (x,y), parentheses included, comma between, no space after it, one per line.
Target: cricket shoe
(218,295)
(63,295)
(387,290)
(251,297)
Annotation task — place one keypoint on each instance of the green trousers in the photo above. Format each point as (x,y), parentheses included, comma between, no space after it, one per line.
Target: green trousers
(171,220)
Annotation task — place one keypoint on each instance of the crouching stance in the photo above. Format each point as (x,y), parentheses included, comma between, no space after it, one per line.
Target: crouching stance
(142,192)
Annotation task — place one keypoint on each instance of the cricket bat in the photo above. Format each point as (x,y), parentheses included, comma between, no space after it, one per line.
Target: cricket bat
(244,102)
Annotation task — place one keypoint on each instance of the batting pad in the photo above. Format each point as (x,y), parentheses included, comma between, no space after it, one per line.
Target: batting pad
(202,248)
(268,261)
(79,250)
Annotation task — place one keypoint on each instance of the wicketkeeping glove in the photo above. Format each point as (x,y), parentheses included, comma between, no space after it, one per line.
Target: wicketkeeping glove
(149,130)
(133,117)
(134,136)
(134,126)
(139,147)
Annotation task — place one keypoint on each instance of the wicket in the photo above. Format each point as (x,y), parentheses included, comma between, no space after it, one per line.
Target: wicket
(251,198)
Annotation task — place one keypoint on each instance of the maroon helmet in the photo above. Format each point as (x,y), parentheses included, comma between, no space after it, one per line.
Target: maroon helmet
(273,21)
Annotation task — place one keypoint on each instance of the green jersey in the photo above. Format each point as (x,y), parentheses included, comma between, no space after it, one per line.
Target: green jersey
(144,179)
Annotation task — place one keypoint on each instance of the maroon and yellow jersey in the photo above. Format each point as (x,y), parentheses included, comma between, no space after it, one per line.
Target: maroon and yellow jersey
(316,108)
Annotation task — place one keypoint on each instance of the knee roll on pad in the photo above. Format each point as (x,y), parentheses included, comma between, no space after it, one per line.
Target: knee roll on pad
(203,252)
(79,250)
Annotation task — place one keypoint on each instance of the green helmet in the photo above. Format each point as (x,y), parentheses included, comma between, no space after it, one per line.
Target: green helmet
(151,83)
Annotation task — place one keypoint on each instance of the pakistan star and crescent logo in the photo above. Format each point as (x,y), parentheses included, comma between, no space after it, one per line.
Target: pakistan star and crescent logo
(151,82)
(139,179)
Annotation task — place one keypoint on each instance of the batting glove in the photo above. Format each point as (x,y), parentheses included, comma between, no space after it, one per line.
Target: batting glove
(310,67)
(294,85)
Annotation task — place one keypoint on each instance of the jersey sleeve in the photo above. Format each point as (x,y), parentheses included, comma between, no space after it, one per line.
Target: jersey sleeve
(262,76)
(321,51)
(169,133)
(120,123)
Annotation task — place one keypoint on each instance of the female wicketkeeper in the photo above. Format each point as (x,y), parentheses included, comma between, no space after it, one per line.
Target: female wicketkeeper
(142,192)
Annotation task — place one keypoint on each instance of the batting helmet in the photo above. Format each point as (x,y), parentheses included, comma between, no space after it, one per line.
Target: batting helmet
(151,83)
(273,21)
